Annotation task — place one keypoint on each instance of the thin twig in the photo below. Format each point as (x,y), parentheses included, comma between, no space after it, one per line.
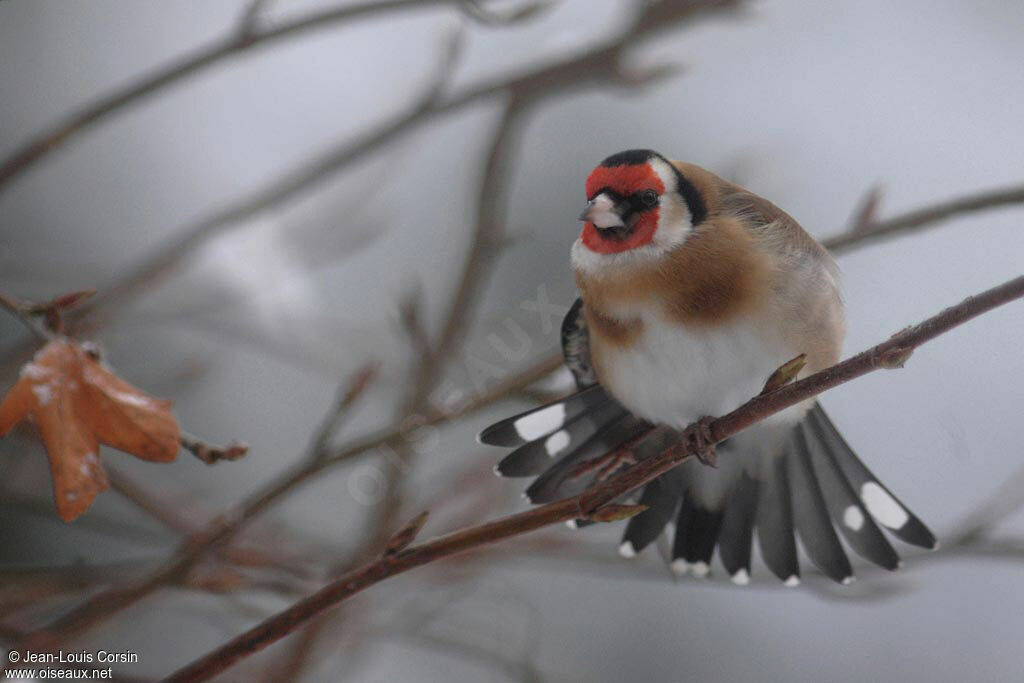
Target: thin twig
(350,391)
(210,453)
(227,525)
(912,221)
(1007,500)
(167,515)
(433,357)
(168,256)
(19,311)
(249,35)
(590,67)
(882,356)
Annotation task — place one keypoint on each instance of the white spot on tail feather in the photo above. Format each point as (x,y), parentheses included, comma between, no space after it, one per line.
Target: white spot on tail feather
(883,506)
(853,517)
(557,442)
(700,569)
(536,425)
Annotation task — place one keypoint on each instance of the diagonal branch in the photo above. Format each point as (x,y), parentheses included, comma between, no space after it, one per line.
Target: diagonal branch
(169,256)
(594,65)
(913,221)
(249,35)
(18,310)
(227,525)
(887,355)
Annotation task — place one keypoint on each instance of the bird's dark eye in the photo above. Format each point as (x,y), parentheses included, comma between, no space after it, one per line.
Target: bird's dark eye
(649,197)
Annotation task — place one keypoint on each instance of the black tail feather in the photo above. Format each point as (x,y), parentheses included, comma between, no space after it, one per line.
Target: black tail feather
(570,475)
(775,523)
(539,422)
(536,456)
(877,499)
(697,530)
(642,529)
(846,509)
(817,481)
(811,516)
(738,528)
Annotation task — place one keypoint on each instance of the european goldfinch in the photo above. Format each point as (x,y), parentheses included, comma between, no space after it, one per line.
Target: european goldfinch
(693,290)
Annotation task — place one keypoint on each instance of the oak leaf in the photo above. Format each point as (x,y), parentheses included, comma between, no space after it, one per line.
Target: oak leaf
(78,403)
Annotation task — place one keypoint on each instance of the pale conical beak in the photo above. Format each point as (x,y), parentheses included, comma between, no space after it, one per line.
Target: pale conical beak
(601,211)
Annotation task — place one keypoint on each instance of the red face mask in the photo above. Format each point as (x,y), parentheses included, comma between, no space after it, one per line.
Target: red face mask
(626,181)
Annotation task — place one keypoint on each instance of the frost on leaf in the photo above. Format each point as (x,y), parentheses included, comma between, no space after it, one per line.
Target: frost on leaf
(77,404)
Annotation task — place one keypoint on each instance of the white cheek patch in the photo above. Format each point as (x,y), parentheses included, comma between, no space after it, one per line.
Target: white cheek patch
(674,221)
(536,425)
(883,506)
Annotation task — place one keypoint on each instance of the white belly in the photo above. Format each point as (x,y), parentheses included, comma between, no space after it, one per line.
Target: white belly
(674,374)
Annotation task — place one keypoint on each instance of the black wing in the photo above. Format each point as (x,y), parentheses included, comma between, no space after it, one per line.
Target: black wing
(576,346)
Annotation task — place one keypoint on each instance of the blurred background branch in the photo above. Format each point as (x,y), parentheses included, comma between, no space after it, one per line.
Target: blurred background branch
(521,99)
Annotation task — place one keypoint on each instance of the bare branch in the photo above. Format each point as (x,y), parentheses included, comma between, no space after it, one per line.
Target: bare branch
(865,214)
(248,36)
(1007,500)
(21,311)
(475,10)
(231,522)
(587,68)
(249,23)
(348,394)
(914,221)
(144,500)
(486,236)
(592,500)
(406,535)
(210,453)
(166,258)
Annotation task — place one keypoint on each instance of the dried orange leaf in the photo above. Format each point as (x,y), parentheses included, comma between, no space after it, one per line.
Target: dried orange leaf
(77,404)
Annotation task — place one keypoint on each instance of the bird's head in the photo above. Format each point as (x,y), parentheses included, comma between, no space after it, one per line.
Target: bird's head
(638,205)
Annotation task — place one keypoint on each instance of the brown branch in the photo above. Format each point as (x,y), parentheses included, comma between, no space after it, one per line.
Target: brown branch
(247,36)
(227,525)
(1007,500)
(487,236)
(863,234)
(882,356)
(20,311)
(210,453)
(167,257)
(433,357)
(348,395)
(166,515)
(594,65)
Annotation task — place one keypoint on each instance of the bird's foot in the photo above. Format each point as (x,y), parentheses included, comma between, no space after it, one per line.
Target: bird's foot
(698,437)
